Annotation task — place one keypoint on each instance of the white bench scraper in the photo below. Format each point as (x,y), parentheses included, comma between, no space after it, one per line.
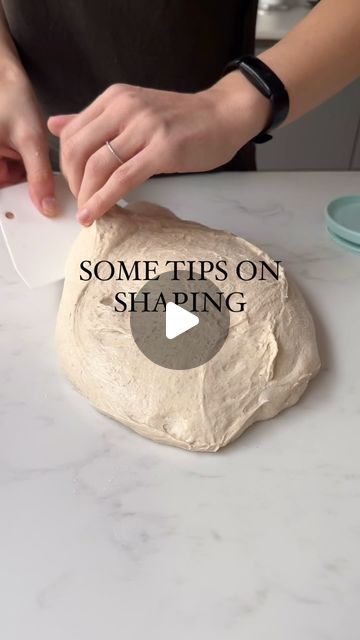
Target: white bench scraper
(38,245)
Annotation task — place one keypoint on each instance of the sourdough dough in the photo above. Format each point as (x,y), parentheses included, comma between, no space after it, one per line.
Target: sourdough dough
(213,403)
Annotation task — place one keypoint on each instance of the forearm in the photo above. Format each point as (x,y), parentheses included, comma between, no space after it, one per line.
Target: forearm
(319,56)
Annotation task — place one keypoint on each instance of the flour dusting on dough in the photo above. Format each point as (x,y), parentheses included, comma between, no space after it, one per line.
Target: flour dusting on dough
(264,366)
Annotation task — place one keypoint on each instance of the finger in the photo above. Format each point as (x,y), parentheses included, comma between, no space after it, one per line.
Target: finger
(11,172)
(77,149)
(124,179)
(103,163)
(7,152)
(33,148)
(57,123)
(79,146)
(96,108)
(75,121)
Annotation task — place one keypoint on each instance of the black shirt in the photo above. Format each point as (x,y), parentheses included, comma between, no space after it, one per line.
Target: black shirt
(73,49)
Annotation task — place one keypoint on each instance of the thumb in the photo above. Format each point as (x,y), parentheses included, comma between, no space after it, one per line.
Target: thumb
(57,123)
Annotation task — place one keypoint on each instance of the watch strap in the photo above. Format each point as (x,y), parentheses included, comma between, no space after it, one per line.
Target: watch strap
(269,85)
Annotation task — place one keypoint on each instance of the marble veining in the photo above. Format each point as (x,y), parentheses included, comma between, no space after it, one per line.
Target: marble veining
(105,534)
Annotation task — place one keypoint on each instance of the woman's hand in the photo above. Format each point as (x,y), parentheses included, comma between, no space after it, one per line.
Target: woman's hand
(153,132)
(23,139)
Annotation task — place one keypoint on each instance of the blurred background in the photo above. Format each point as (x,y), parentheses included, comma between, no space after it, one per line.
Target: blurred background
(326,138)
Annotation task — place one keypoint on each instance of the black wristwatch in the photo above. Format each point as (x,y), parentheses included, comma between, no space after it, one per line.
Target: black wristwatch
(268,83)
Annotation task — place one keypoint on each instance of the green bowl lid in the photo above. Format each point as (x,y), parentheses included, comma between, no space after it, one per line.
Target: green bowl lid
(343,218)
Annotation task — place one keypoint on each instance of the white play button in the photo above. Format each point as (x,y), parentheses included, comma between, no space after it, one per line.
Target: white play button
(178,320)
(154,332)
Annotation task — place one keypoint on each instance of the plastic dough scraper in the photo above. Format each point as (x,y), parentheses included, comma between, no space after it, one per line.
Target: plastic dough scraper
(38,246)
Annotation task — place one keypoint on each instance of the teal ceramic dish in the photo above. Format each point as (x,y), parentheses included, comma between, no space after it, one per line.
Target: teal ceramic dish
(343,220)
(349,246)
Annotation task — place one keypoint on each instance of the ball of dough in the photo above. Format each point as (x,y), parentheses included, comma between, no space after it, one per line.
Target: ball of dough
(268,358)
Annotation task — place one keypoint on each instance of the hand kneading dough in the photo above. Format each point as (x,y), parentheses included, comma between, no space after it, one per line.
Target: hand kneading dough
(264,366)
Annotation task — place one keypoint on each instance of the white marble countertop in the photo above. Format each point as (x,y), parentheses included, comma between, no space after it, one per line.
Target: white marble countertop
(274,24)
(105,534)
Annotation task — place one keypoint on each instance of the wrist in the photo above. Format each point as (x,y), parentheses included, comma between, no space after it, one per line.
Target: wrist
(11,68)
(246,111)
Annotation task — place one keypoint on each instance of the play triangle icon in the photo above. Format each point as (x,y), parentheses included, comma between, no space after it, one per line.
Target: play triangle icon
(178,320)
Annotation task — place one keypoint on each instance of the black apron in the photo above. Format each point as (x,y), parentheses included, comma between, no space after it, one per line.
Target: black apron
(73,49)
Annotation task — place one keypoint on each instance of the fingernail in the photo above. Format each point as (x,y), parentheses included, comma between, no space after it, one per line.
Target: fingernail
(49,206)
(83,216)
(57,115)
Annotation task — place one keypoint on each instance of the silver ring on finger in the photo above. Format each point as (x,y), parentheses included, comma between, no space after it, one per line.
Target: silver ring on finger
(112,150)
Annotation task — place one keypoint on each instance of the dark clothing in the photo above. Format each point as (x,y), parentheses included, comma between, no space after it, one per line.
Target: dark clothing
(73,49)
